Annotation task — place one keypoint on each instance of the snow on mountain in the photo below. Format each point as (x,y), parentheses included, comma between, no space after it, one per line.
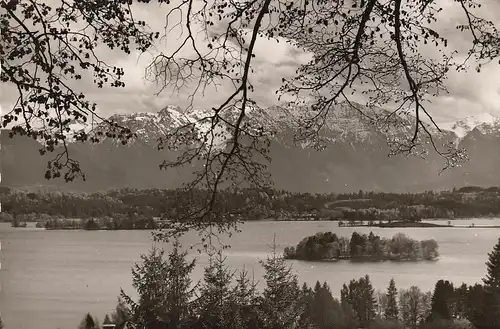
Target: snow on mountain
(485,122)
(344,124)
(356,159)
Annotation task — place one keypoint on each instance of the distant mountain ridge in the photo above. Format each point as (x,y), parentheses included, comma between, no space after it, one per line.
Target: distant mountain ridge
(485,123)
(356,157)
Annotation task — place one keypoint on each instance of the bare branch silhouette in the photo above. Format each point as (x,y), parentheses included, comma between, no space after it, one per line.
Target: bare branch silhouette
(361,49)
(44,51)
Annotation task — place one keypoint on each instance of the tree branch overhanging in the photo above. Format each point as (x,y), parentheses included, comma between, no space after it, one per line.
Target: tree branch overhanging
(361,49)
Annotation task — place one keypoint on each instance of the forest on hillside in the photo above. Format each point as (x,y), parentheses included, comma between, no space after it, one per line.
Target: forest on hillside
(246,204)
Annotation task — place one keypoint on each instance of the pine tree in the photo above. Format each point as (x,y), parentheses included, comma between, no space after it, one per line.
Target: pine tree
(107,319)
(475,305)
(322,306)
(370,303)
(245,300)
(391,312)
(360,296)
(281,306)
(121,314)
(492,288)
(307,300)
(344,295)
(214,305)
(89,322)
(492,280)
(442,299)
(461,301)
(348,314)
(245,291)
(164,289)
(1,322)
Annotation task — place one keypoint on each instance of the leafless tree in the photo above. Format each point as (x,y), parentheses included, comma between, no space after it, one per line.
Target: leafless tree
(369,47)
(45,49)
(414,306)
(360,47)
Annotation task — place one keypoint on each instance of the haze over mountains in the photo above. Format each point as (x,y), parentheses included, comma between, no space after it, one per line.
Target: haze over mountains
(356,157)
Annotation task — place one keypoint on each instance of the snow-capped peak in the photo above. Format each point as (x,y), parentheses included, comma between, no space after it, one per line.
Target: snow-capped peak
(464,126)
(343,123)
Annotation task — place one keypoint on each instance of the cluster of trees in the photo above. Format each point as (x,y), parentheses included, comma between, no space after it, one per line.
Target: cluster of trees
(118,316)
(327,245)
(167,298)
(253,204)
(118,222)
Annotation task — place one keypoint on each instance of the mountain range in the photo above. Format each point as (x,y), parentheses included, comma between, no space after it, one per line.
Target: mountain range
(355,157)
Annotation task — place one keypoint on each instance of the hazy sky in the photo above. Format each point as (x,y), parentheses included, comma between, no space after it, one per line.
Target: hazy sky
(470,93)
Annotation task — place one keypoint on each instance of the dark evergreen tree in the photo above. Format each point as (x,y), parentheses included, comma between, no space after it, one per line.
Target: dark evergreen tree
(1,322)
(460,309)
(245,300)
(442,301)
(386,324)
(474,305)
(121,314)
(492,280)
(214,304)
(391,311)
(88,322)
(360,296)
(344,295)
(107,319)
(370,303)
(307,300)
(281,306)
(164,289)
(321,307)
(346,304)
(491,311)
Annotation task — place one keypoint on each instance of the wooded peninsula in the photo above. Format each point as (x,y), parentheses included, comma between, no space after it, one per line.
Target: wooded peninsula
(144,209)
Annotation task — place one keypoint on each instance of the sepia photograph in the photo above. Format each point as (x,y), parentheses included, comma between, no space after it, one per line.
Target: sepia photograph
(250,164)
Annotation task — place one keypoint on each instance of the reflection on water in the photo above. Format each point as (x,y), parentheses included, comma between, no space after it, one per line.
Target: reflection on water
(51,278)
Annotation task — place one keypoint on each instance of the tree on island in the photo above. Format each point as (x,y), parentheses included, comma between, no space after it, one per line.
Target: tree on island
(326,246)
(391,312)
(378,45)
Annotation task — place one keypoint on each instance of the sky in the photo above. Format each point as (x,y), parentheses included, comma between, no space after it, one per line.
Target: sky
(470,94)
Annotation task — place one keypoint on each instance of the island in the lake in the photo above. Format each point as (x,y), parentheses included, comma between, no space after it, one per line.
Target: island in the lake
(362,247)
(392,224)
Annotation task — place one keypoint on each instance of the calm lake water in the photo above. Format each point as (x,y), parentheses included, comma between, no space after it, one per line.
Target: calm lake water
(50,279)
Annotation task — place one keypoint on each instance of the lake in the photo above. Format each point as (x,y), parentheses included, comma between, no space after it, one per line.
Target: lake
(50,279)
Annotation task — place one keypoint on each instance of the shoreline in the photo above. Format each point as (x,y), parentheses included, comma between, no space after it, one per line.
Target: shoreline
(397,224)
(365,260)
